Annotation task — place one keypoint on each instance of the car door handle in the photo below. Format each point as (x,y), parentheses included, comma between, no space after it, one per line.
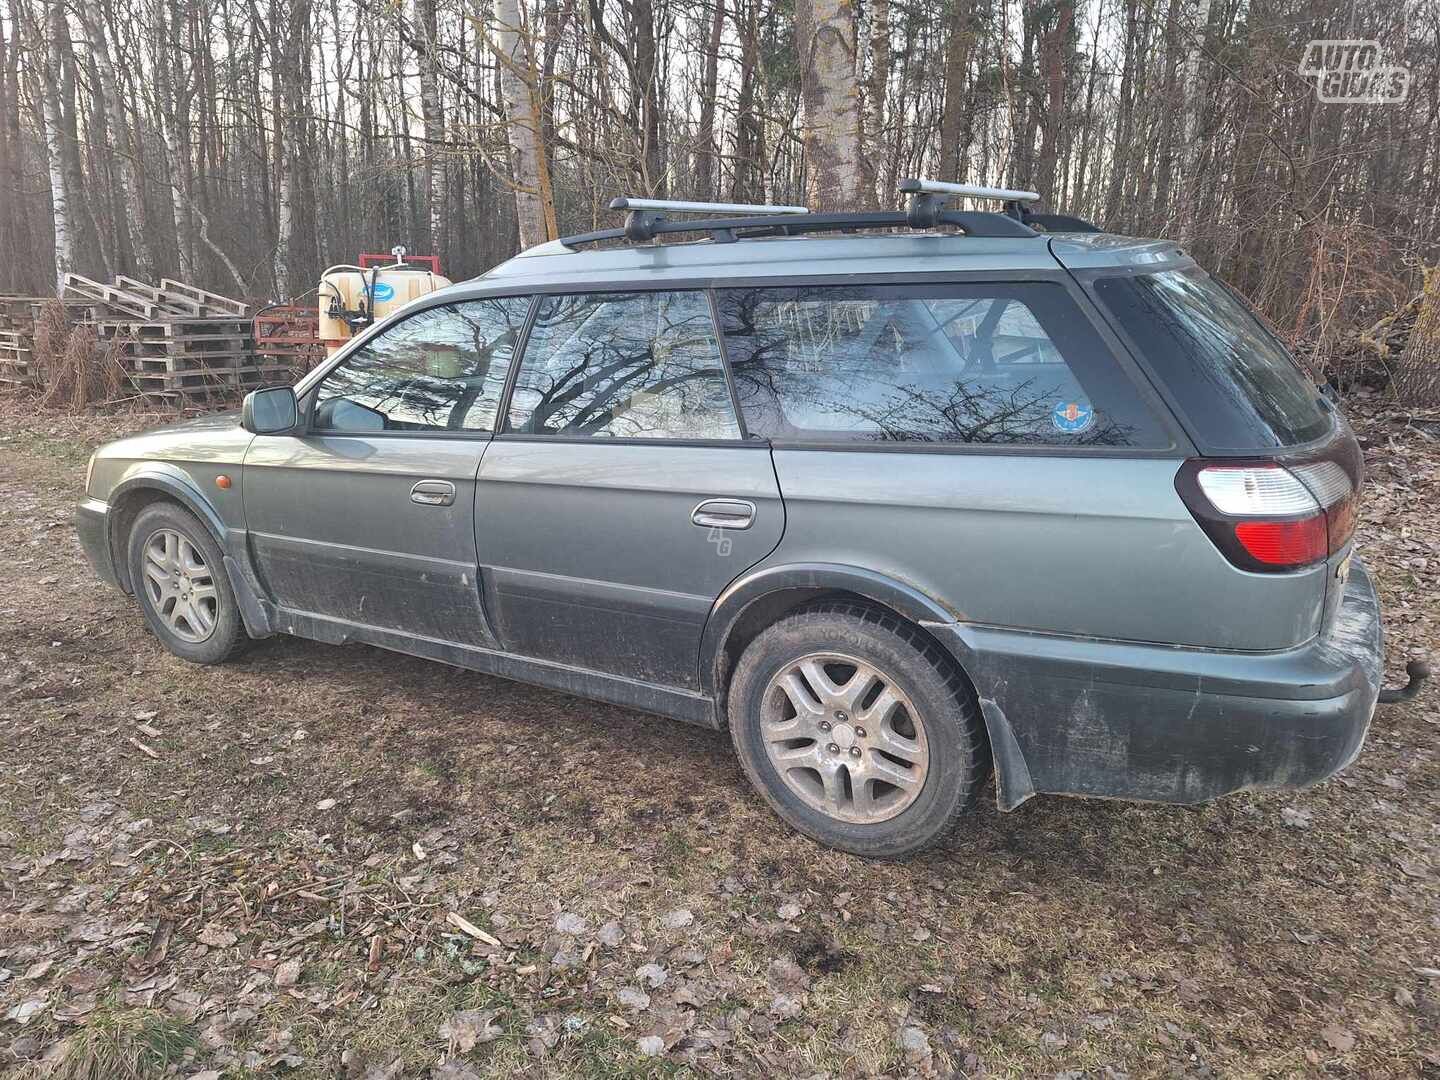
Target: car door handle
(433,493)
(724,514)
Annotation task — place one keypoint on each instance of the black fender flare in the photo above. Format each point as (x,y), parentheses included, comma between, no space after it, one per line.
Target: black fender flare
(174,483)
(739,595)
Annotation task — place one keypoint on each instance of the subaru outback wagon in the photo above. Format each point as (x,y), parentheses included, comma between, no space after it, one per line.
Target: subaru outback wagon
(896,499)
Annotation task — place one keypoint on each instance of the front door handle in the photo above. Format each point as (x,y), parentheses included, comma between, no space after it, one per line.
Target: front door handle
(433,493)
(724,514)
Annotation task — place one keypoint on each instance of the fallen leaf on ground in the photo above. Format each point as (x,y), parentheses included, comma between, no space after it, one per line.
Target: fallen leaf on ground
(1339,1039)
(287,973)
(1296,819)
(466,1029)
(567,922)
(26,1011)
(652,975)
(632,998)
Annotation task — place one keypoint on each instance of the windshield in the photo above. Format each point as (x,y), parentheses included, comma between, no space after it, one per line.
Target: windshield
(1237,386)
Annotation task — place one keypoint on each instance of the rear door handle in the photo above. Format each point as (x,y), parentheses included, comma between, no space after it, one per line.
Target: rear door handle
(433,493)
(724,514)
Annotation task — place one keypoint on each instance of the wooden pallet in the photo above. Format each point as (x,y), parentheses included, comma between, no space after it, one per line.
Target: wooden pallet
(176,340)
(127,296)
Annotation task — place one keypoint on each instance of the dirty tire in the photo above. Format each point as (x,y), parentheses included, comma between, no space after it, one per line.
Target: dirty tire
(956,754)
(224,635)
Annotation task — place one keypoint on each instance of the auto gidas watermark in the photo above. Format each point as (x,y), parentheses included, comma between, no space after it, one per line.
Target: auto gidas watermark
(1354,71)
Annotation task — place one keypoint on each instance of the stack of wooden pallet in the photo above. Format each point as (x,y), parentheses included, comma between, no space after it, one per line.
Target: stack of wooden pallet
(178,341)
(17,338)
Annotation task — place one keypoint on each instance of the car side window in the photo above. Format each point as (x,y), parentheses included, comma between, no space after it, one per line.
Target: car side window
(442,369)
(1010,364)
(624,365)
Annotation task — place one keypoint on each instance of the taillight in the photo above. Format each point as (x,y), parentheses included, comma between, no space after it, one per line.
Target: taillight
(1269,517)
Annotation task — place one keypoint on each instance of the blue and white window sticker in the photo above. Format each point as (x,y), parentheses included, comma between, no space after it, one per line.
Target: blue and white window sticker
(1072,417)
(382,292)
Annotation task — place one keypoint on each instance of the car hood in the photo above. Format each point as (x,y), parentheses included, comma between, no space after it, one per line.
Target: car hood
(209,422)
(214,437)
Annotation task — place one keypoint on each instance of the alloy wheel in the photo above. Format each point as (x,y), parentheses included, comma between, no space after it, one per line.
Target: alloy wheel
(180,586)
(844,737)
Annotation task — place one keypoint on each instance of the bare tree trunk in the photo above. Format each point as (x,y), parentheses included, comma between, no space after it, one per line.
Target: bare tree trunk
(1120,156)
(1194,92)
(426,30)
(132,210)
(1054,49)
(876,89)
(174,97)
(956,110)
(9,149)
(825,37)
(55,147)
(747,127)
(534,199)
(642,13)
(706,152)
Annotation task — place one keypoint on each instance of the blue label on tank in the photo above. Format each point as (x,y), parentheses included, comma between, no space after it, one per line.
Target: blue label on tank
(383,292)
(1072,417)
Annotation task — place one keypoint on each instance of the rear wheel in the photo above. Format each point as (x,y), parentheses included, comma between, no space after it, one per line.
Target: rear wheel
(857,730)
(178,575)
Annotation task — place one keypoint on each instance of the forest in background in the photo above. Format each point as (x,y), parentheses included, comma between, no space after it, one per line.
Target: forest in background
(244,145)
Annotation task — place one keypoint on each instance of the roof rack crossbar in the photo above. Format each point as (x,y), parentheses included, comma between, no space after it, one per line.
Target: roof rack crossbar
(972,223)
(644,216)
(928,197)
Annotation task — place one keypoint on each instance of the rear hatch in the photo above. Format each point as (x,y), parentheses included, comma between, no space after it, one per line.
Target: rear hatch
(1278,474)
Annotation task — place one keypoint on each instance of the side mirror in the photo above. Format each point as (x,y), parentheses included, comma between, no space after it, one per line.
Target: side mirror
(271,410)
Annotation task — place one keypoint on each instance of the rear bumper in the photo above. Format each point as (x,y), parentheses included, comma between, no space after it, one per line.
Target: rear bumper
(1110,719)
(92,525)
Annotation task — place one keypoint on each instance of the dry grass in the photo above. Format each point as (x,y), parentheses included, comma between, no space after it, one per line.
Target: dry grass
(117,1044)
(1068,936)
(76,371)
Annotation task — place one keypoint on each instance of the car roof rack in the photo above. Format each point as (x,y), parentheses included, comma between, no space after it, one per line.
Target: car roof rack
(927,199)
(644,217)
(647,219)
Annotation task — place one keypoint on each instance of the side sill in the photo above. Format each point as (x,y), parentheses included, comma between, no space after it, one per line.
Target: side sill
(683,705)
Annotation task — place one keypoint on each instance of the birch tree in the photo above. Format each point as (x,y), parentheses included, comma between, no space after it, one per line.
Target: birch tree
(64,231)
(830,126)
(434,126)
(534,199)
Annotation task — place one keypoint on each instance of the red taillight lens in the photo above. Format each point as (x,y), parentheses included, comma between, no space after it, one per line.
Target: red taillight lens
(1270,517)
(1285,543)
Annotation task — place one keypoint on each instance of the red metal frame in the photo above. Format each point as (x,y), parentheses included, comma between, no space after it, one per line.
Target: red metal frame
(369,260)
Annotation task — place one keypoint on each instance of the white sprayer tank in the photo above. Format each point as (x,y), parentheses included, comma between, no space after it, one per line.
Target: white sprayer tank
(383,290)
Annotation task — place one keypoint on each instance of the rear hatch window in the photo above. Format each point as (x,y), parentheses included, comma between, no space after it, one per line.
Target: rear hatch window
(1232,381)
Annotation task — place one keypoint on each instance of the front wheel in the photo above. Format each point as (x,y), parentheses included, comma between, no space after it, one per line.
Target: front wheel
(857,730)
(178,574)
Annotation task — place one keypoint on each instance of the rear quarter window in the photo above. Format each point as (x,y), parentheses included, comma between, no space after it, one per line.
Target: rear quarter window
(979,364)
(1235,385)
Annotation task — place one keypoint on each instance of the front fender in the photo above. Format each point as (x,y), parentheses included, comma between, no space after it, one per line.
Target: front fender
(742,593)
(175,482)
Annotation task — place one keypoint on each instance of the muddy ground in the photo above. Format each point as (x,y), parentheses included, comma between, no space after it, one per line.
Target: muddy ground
(339,862)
